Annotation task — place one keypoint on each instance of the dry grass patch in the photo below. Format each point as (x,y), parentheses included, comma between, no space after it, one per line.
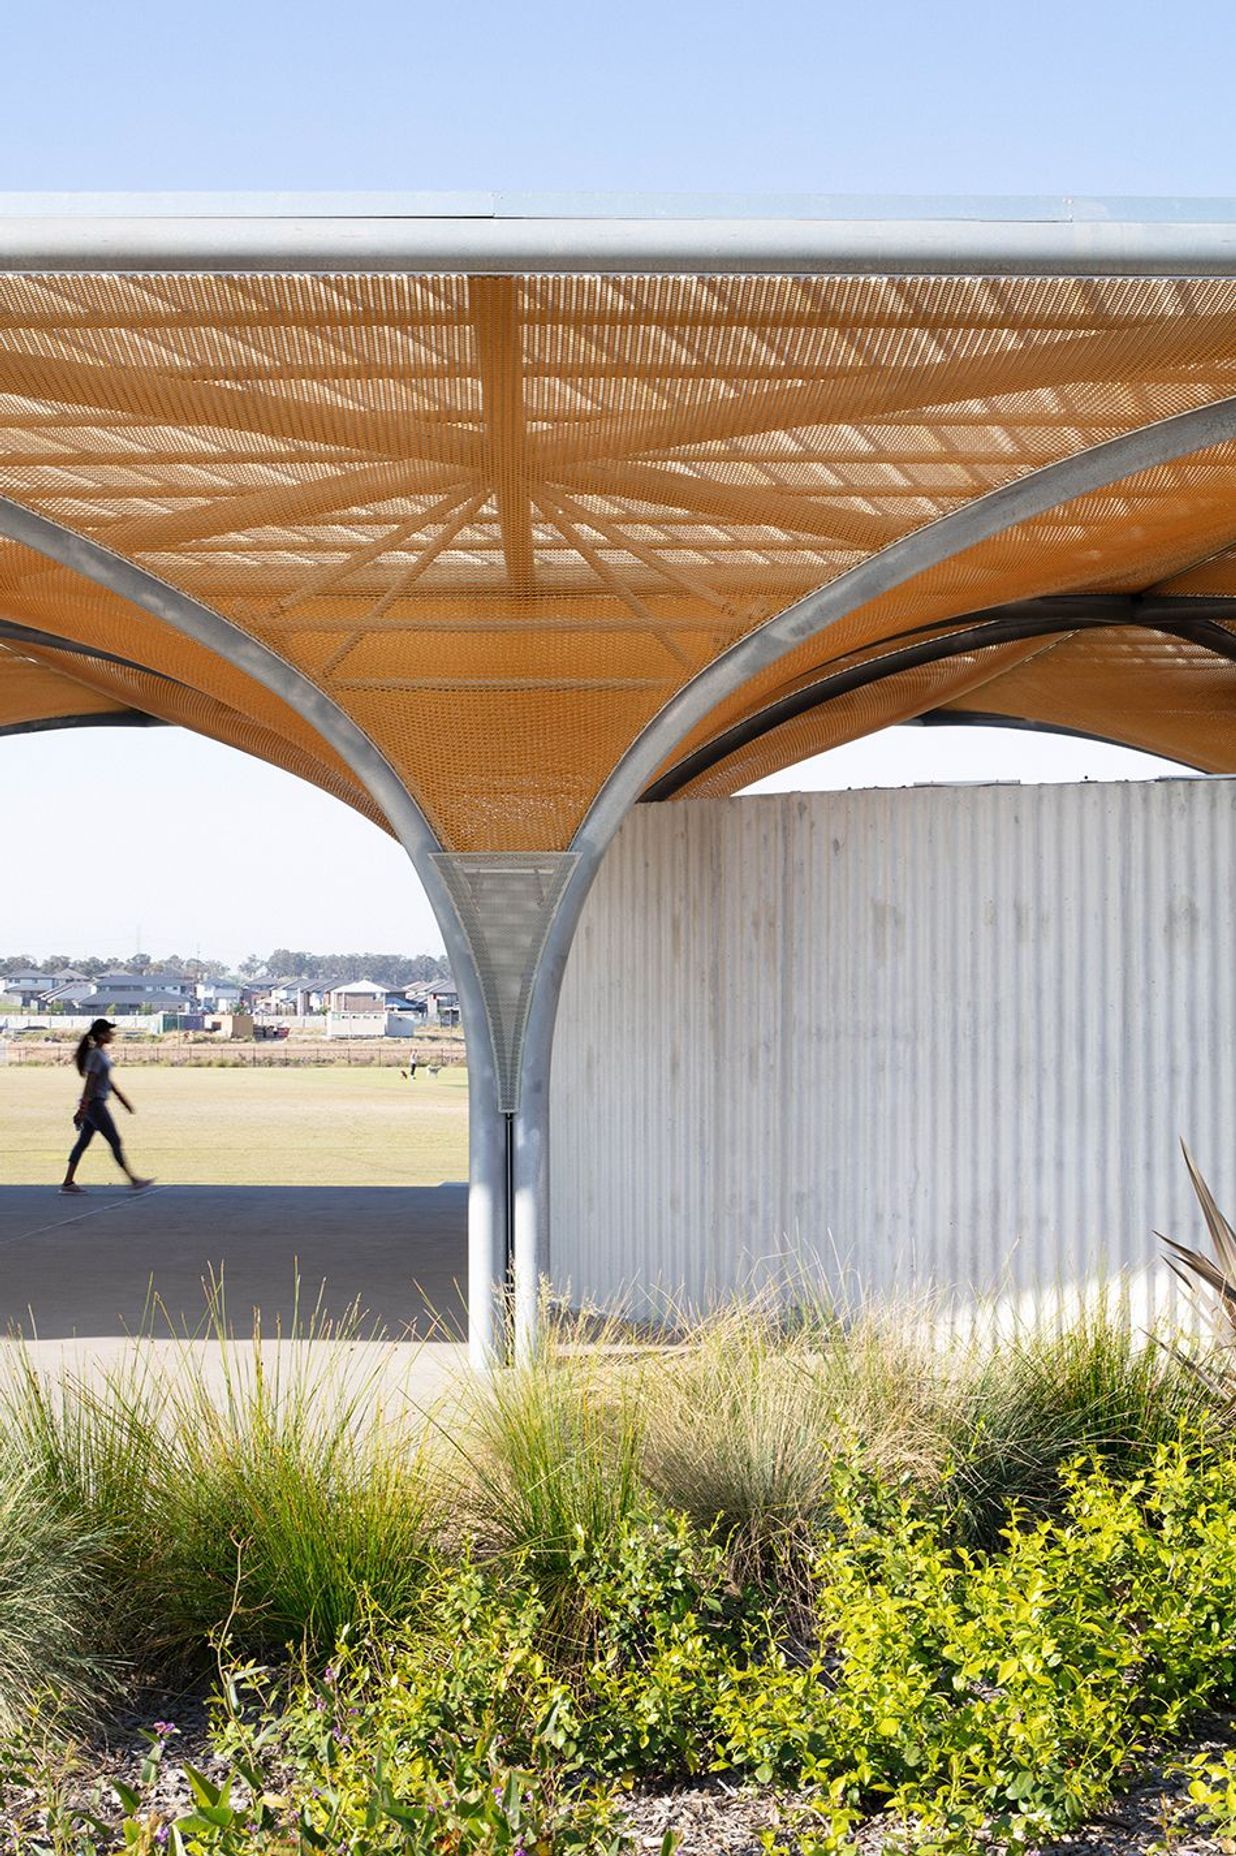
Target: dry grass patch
(260,1127)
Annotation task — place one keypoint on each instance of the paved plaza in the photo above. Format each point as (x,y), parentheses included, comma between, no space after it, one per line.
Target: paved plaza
(85,1268)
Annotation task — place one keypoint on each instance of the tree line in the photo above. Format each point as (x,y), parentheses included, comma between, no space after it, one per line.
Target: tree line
(281,963)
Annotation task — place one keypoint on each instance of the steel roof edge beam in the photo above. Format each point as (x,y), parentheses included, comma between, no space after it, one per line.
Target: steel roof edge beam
(487,1128)
(1023,724)
(509,246)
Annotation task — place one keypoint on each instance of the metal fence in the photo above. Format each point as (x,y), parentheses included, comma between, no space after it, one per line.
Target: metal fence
(274,1053)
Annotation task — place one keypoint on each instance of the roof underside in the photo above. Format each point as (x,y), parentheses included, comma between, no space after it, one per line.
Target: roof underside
(501,519)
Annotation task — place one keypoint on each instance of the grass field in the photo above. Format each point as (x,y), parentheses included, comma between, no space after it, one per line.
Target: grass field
(282,1127)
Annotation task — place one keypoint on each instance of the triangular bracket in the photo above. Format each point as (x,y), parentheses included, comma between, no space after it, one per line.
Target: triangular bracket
(506,903)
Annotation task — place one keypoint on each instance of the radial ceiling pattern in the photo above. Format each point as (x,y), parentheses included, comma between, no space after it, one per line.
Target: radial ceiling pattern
(501,520)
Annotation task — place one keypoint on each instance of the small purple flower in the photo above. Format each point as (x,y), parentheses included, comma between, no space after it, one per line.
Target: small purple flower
(329,1676)
(164,1728)
(161,1836)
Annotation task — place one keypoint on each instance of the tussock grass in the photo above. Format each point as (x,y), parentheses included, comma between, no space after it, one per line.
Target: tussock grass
(289,1506)
(50,1594)
(549,1455)
(1044,1395)
(749,1421)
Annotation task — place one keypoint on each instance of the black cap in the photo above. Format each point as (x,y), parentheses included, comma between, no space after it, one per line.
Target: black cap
(102,1024)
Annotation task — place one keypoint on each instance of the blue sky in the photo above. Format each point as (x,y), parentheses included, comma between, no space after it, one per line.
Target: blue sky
(1085,98)
(867,98)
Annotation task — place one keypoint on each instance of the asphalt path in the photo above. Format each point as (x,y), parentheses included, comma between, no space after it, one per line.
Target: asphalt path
(114,1263)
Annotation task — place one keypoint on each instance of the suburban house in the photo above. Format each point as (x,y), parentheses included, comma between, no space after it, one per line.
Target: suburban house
(443,1003)
(218,995)
(287,998)
(30,989)
(362,1009)
(120,994)
(358,996)
(397,1001)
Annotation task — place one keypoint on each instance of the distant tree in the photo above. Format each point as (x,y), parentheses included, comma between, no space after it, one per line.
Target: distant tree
(425,967)
(172,965)
(290,963)
(199,969)
(393,970)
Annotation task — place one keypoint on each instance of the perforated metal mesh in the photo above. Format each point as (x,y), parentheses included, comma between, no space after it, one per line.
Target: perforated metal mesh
(1164,695)
(1133,536)
(37,682)
(502,520)
(30,692)
(506,903)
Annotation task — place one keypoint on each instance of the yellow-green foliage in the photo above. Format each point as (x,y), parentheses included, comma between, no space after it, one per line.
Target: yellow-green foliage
(979,1699)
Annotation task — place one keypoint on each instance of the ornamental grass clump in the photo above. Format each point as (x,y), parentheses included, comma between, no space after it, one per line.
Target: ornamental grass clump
(50,1650)
(1043,1396)
(297,1503)
(264,1488)
(750,1418)
(95,1454)
(547,1460)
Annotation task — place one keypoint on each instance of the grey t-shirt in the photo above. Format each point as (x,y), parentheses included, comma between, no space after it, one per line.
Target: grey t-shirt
(99,1065)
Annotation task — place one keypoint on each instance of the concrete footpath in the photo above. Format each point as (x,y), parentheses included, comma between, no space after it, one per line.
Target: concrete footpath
(86,1268)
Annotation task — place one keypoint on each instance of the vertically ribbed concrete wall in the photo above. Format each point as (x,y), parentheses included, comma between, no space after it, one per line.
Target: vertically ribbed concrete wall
(946,1035)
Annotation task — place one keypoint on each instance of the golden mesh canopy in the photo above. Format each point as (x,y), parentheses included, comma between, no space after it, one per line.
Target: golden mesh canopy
(1138,687)
(33,696)
(491,525)
(42,686)
(500,520)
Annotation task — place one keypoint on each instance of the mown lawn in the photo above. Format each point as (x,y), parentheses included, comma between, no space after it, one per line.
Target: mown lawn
(284,1127)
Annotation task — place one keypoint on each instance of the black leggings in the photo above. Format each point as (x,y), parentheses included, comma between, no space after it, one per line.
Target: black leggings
(98,1120)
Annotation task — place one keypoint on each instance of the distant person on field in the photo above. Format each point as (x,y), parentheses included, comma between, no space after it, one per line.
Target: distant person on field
(93,1116)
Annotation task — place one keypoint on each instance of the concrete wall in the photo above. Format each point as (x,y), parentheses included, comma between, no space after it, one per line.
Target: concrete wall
(942,1036)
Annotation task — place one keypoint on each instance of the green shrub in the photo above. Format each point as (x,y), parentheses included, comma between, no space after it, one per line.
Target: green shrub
(1007,1691)
(977,1698)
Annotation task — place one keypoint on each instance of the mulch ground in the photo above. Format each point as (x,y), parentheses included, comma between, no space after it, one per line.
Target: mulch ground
(712,1819)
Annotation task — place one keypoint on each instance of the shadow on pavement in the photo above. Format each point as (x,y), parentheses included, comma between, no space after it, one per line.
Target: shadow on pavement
(87,1266)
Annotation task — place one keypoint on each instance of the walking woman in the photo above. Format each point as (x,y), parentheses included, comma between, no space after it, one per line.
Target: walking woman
(93,1116)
